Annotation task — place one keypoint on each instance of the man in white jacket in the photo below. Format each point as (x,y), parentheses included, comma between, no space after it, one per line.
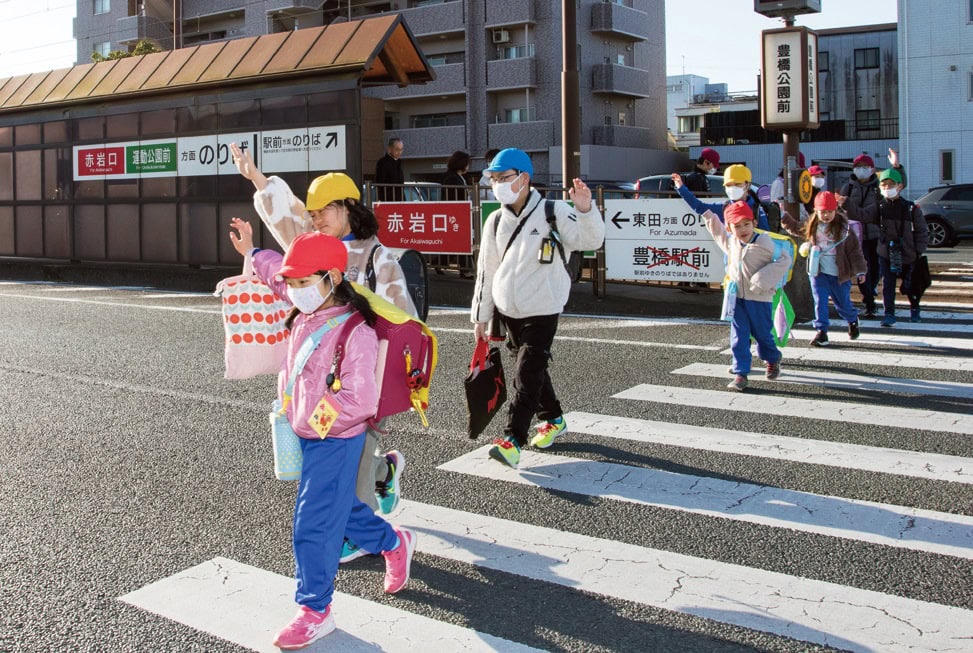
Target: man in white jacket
(521,275)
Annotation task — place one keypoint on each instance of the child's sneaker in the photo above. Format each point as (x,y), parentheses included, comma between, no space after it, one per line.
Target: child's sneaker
(773,371)
(820,339)
(738,383)
(506,450)
(548,432)
(398,561)
(387,493)
(888,320)
(915,315)
(853,331)
(306,627)
(350,551)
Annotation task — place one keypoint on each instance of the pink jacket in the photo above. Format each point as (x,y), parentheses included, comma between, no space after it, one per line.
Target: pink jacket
(358,396)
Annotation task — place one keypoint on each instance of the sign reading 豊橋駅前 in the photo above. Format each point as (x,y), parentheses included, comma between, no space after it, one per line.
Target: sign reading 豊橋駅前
(273,151)
(789,88)
(659,240)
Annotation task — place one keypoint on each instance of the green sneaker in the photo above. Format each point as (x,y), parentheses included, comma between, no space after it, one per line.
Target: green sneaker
(506,450)
(548,432)
(388,493)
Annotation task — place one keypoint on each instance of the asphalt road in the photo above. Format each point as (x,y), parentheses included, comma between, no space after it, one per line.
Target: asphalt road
(126,458)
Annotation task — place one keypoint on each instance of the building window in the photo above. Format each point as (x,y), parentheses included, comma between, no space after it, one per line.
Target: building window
(866,58)
(104,48)
(946,166)
(430,120)
(868,120)
(824,60)
(516,51)
(519,115)
(102,6)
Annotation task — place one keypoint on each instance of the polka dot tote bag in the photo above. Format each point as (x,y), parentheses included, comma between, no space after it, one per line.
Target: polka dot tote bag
(253,321)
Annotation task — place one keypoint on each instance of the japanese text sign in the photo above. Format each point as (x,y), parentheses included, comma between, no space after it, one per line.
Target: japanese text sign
(789,85)
(429,227)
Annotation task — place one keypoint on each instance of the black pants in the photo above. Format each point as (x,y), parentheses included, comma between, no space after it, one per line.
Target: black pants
(873,274)
(533,393)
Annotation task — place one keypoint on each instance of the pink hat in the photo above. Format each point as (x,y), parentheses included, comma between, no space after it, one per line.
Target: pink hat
(863,160)
(710,155)
(815,170)
(737,212)
(825,201)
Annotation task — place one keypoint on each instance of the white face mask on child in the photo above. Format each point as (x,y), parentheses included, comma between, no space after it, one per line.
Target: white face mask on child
(735,192)
(889,193)
(308,299)
(504,191)
(818,182)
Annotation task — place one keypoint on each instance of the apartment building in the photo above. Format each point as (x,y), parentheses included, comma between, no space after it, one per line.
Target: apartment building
(497,64)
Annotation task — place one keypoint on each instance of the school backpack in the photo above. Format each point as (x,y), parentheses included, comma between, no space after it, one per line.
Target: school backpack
(407,357)
(782,243)
(772,209)
(413,265)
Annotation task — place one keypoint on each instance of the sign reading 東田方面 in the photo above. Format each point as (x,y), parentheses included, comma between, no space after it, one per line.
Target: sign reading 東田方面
(273,151)
(789,86)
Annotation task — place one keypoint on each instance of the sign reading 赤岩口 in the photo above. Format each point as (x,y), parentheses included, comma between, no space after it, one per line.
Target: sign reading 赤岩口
(789,83)
(273,151)
(659,240)
(429,227)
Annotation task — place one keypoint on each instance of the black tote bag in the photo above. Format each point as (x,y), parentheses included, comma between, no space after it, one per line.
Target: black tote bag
(485,388)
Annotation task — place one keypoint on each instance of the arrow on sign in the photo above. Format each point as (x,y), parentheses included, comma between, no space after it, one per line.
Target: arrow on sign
(332,140)
(616,220)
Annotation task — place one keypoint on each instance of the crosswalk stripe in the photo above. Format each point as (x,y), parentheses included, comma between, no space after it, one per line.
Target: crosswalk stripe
(847,381)
(808,610)
(938,467)
(796,408)
(884,359)
(605,341)
(889,337)
(247,605)
(866,521)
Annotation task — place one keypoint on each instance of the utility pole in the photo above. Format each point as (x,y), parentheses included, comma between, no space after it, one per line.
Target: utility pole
(570,94)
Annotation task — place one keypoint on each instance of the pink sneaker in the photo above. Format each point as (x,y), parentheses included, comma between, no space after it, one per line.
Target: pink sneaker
(307,626)
(398,561)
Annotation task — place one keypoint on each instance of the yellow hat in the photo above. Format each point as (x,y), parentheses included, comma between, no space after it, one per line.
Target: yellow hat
(328,188)
(737,174)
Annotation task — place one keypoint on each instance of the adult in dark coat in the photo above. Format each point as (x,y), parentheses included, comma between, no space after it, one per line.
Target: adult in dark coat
(388,170)
(456,167)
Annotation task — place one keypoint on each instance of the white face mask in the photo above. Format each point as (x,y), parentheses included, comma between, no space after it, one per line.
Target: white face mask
(505,192)
(308,299)
(818,182)
(735,192)
(889,193)
(863,173)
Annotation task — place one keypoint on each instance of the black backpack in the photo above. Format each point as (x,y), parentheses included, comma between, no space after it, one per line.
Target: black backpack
(413,265)
(572,261)
(772,209)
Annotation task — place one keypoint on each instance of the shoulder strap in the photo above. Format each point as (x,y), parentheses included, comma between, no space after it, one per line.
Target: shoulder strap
(555,236)
(307,348)
(370,280)
(514,235)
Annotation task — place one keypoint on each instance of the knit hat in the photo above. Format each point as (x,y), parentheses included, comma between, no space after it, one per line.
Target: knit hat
(863,160)
(711,155)
(313,252)
(737,212)
(891,173)
(825,201)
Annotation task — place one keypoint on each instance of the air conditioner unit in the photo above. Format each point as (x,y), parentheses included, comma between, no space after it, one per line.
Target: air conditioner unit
(501,36)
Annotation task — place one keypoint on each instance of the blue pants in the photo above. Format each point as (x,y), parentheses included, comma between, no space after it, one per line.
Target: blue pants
(751,318)
(826,286)
(327,511)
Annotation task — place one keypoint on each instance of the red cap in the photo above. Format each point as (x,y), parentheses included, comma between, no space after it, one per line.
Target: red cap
(825,201)
(863,160)
(737,212)
(313,252)
(800,159)
(710,155)
(815,170)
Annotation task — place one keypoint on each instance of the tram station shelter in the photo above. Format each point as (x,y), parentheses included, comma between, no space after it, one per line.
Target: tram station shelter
(127,161)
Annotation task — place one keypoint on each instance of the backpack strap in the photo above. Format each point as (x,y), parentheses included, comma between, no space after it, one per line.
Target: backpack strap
(304,354)
(370,279)
(555,236)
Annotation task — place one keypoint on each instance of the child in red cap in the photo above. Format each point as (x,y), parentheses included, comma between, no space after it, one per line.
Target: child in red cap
(752,277)
(834,259)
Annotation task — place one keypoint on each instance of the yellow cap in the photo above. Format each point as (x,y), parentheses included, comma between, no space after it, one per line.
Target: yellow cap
(737,174)
(328,188)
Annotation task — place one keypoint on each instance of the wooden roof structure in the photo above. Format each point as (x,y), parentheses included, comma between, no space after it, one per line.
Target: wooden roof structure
(381,49)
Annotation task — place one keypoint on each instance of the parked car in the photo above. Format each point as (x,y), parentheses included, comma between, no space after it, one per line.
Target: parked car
(658,186)
(949,213)
(613,190)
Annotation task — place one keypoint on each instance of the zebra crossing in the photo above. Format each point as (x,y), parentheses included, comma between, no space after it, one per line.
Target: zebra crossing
(809,610)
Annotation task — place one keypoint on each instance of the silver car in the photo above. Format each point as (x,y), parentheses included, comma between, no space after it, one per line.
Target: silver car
(949,213)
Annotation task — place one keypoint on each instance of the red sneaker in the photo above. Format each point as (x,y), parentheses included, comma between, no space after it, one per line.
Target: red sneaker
(307,626)
(398,561)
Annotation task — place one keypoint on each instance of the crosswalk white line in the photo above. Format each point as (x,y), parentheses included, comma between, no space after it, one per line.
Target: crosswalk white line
(247,605)
(807,610)
(796,408)
(889,359)
(847,381)
(605,341)
(95,302)
(890,337)
(933,466)
(865,521)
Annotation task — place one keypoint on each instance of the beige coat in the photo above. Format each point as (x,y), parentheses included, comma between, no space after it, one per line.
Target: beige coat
(752,266)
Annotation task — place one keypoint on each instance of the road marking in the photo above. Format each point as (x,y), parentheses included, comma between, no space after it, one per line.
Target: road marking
(604,341)
(63,288)
(918,464)
(865,521)
(247,606)
(890,359)
(889,337)
(94,302)
(794,408)
(790,606)
(847,381)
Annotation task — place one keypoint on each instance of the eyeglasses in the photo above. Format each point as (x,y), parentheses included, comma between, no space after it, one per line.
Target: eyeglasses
(495,180)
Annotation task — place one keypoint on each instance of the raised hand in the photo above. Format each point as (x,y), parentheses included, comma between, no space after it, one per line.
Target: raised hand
(580,194)
(677,180)
(246,167)
(243,240)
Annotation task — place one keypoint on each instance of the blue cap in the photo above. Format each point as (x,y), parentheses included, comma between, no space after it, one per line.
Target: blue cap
(511,159)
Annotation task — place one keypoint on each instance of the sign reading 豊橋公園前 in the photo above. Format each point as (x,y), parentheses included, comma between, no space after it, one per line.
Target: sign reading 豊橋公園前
(789,88)
(273,151)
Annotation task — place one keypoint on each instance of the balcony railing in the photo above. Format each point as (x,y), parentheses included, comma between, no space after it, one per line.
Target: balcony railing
(450,80)
(439,18)
(830,130)
(620,20)
(621,136)
(529,136)
(619,80)
(511,73)
(430,141)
